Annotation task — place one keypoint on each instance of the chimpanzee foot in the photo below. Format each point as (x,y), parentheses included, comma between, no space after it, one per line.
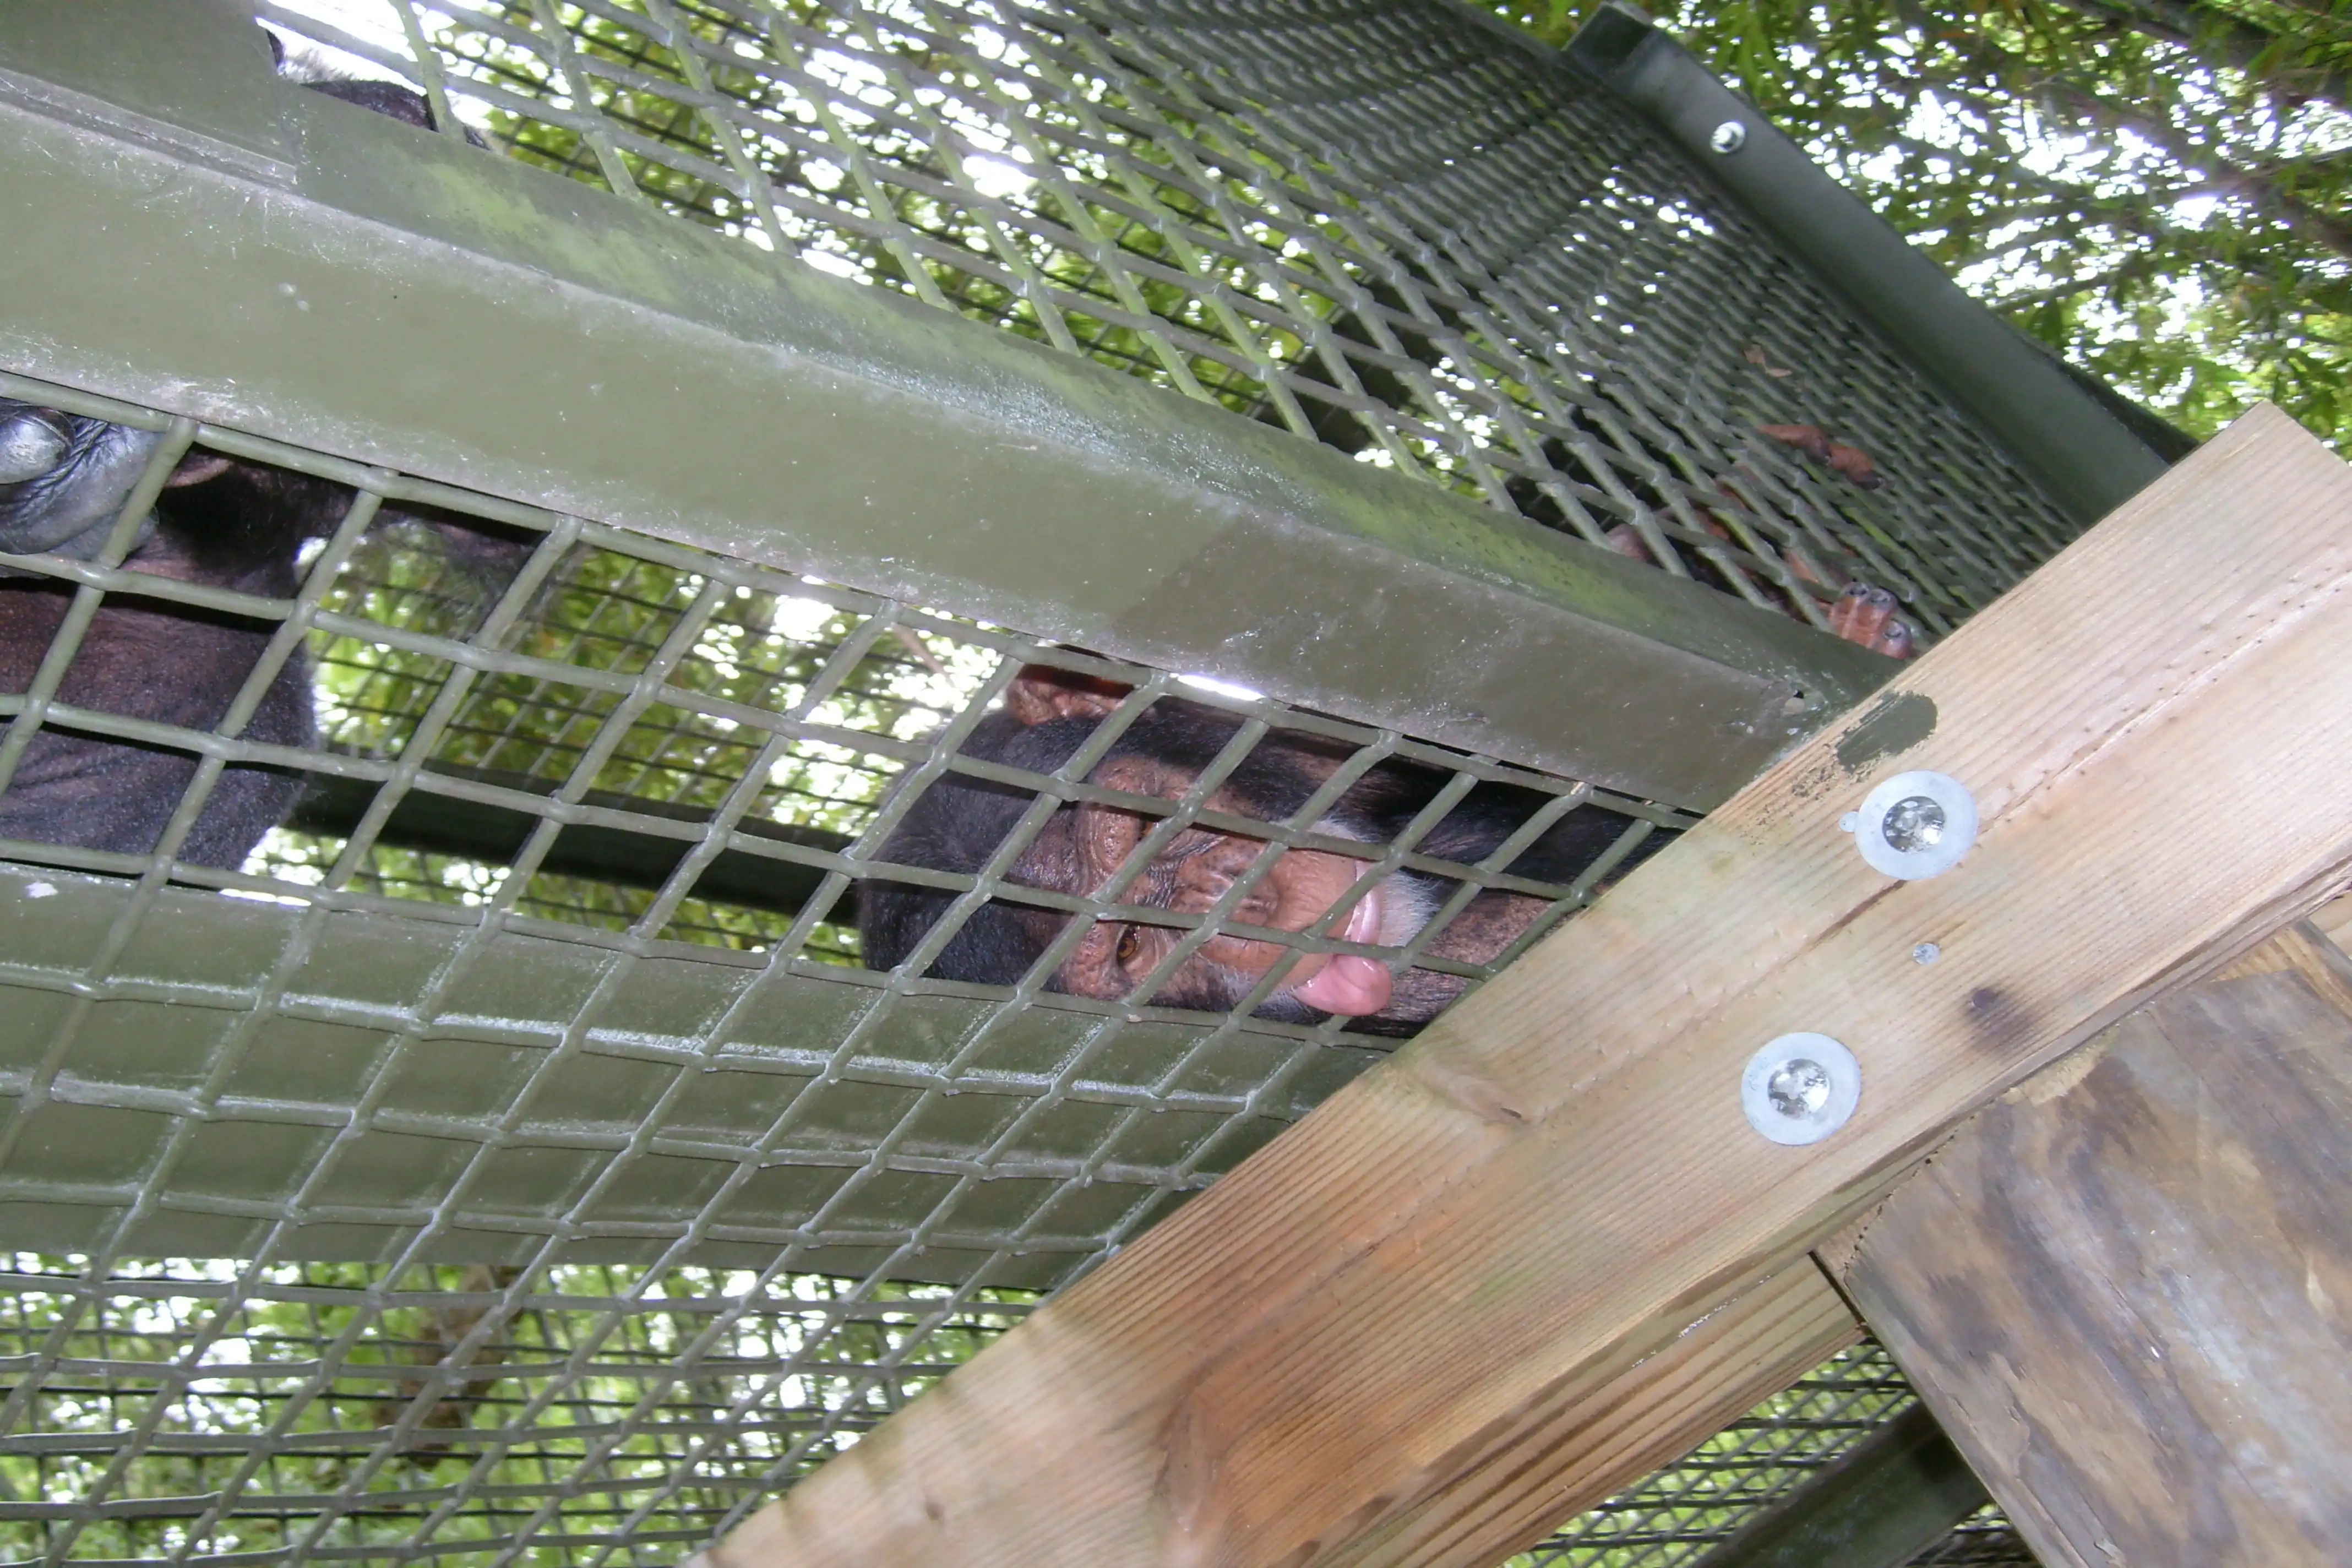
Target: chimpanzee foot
(32,442)
(1852,462)
(1865,615)
(64,479)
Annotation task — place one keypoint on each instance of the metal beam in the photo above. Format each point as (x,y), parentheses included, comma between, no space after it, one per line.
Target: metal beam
(2088,457)
(474,828)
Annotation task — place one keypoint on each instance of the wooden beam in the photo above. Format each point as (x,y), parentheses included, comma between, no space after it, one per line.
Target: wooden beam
(2126,1289)
(1557,1178)
(1568,1455)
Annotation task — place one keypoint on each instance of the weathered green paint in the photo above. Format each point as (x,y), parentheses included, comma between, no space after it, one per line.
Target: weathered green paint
(1891,724)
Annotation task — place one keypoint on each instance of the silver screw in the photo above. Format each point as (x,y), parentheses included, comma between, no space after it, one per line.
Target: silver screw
(1798,1088)
(1925,952)
(1915,822)
(1728,137)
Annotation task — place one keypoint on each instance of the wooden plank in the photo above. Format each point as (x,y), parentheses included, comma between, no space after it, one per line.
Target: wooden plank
(2333,920)
(1557,1178)
(1568,1455)
(2301,949)
(2128,1296)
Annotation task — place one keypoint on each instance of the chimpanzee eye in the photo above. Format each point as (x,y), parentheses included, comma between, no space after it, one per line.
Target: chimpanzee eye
(1130,946)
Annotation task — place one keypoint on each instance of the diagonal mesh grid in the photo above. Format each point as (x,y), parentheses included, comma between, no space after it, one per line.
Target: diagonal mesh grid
(1369,224)
(612,1089)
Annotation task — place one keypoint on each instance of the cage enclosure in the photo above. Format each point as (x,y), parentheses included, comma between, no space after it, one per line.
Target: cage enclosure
(710,412)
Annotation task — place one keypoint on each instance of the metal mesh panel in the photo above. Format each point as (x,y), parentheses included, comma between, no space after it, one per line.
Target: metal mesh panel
(538,1021)
(1984,1539)
(1680,1514)
(1376,224)
(721,722)
(196,1412)
(540,1109)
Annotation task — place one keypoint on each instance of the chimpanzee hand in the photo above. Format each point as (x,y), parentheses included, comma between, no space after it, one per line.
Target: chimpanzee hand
(1865,615)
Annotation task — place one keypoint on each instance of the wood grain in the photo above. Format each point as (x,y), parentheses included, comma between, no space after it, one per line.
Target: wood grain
(1556,1179)
(2130,1303)
(1570,1454)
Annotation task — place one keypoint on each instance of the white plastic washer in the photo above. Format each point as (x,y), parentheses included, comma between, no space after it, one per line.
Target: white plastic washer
(1957,832)
(1844,1088)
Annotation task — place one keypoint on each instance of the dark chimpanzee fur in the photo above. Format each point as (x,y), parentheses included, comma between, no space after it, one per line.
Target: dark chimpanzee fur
(960,821)
(239,529)
(221,522)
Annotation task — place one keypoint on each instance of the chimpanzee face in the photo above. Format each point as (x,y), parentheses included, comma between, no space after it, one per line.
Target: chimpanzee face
(961,820)
(1084,847)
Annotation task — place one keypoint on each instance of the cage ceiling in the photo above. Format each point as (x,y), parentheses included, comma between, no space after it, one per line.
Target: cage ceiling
(532,1165)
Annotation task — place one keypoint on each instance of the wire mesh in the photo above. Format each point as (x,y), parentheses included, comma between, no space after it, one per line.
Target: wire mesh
(581,1191)
(1984,1539)
(1376,224)
(215,1412)
(1686,1509)
(537,1111)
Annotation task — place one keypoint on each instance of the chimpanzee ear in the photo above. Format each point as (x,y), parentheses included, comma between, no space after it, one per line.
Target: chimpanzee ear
(1041,693)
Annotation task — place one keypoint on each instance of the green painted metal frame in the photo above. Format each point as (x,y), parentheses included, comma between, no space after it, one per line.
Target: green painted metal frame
(180,230)
(1888,1498)
(168,243)
(2090,456)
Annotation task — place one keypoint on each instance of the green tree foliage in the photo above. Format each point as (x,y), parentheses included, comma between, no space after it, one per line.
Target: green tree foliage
(2161,189)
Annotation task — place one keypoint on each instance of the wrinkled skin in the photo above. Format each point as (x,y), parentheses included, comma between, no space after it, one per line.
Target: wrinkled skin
(959,821)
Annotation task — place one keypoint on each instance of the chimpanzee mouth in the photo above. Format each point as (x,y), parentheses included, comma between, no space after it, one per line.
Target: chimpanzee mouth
(1347,983)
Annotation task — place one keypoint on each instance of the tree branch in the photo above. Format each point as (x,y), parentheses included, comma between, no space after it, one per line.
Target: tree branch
(2265,189)
(2233,40)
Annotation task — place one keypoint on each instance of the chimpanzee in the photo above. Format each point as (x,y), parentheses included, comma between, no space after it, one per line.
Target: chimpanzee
(960,820)
(220,521)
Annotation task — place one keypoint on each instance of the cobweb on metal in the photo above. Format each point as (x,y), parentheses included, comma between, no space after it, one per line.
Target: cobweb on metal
(1384,227)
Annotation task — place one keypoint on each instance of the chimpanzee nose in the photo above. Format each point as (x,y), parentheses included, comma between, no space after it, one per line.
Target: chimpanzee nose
(31,442)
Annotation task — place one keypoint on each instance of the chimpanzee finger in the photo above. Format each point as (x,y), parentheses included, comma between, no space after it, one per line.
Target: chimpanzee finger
(1805,438)
(1861,613)
(1625,541)
(1855,465)
(1041,693)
